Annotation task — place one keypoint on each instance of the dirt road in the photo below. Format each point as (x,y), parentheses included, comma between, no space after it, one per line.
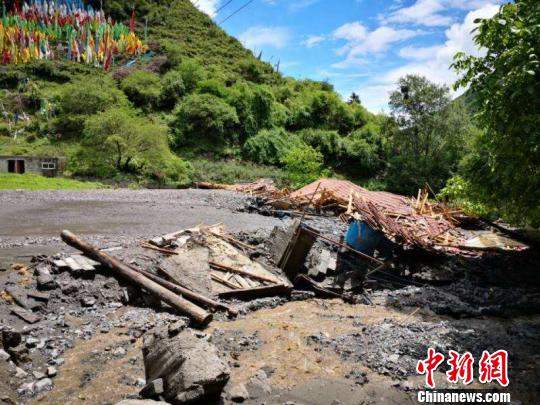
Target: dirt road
(31,222)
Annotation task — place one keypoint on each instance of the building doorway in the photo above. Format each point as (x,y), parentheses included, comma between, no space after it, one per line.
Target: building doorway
(16,166)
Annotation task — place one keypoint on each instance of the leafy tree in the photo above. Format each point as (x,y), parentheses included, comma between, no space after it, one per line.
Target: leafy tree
(142,88)
(364,151)
(328,143)
(505,81)
(303,165)
(118,140)
(204,119)
(354,98)
(427,137)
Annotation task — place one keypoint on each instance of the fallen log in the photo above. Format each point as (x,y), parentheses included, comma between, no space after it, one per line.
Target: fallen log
(191,295)
(181,304)
(257,292)
(230,269)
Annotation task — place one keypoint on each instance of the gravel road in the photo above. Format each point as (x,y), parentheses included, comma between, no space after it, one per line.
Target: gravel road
(31,221)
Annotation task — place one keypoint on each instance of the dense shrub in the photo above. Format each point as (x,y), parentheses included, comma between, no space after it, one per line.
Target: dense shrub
(203,120)
(303,165)
(212,86)
(81,98)
(328,143)
(192,73)
(269,146)
(142,88)
(172,90)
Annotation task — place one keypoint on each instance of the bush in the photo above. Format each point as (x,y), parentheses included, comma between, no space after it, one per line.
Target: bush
(232,171)
(142,88)
(269,146)
(173,89)
(204,119)
(303,165)
(81,98)
(212,86)
(328,143)
(192,73)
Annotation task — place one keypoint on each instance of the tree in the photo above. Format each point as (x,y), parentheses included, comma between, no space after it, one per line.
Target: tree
(427,137)
(120,141)
(205,120)
(354,98)
(505,81)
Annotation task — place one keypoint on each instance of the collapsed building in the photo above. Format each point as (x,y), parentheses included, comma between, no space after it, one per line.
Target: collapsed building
(343,242)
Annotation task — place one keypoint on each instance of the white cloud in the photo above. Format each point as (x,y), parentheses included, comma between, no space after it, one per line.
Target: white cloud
(313,40)
(276,37)
(432,13)
(361,41)
(432,62)
(207,6)
(423,12)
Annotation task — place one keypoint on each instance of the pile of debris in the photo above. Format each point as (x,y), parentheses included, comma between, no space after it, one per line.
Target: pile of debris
(408,222)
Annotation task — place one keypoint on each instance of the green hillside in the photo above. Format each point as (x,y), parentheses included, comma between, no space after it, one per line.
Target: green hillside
(197,96)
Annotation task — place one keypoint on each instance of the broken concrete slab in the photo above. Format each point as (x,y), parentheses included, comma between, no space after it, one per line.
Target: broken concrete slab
(20,297)
(189,366)
(25,315)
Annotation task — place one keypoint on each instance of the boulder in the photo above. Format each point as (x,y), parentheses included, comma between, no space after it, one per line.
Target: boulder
(189,366)
(140,402)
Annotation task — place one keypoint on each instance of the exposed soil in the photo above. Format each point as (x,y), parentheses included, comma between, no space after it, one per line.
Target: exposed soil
(300,350)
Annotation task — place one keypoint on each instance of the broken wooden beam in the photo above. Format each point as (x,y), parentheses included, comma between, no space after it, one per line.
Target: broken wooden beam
(223,267)
(158,249)
(223,281)
(191,295)
(257,292)
(116,266)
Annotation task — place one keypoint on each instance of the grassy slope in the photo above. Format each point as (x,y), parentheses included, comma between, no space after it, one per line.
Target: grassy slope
(34,182)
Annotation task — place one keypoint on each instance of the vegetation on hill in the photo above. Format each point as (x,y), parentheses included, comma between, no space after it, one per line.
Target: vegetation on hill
(199,106)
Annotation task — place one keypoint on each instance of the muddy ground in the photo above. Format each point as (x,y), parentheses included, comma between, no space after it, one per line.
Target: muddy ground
(301,350)
(31,222)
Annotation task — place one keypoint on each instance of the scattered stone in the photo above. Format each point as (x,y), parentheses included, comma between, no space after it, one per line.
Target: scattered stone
(4,356)
(177,327)
(11,338)
(38,375)
(258,385)
(43,385)
(153,389)
(190,367)
(88,301)
(140,402)
(31,342)
(119,352)
(25,315)
(26,389)
(51,371)
(239,393)
(20,373)
(18,353)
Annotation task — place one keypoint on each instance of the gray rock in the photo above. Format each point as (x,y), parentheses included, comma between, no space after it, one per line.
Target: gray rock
(38,375)
(51,371)
(239,393)
(20,373)
(31,341)
(43,385)
(11,338)
(4,356)
(27,388)
(140,402)
(190,367)
(119,352)
(88,301)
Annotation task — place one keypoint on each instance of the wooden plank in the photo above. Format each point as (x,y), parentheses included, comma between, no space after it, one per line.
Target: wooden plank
(240,280)
(60,264)
(72,264)
(221,280)
(81,260)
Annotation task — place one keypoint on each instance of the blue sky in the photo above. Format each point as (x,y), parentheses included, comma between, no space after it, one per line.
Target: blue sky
(358,45)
